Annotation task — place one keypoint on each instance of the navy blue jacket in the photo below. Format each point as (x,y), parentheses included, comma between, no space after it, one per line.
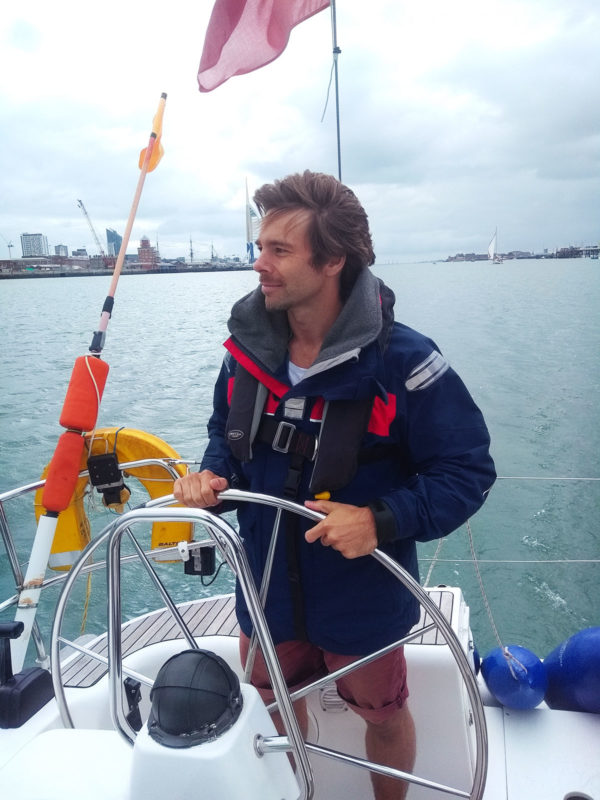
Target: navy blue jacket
(435,478)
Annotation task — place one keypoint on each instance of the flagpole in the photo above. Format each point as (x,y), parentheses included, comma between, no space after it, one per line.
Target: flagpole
(336,52)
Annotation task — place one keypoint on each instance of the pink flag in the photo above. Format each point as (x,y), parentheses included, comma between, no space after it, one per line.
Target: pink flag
(244,35)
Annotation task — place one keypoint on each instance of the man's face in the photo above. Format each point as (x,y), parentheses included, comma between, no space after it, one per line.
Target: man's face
(287,278)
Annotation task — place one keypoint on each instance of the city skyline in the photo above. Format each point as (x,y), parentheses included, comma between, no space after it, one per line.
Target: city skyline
(114,239)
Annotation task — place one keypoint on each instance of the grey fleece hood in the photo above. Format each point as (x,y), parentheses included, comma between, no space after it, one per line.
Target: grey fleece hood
(265,334)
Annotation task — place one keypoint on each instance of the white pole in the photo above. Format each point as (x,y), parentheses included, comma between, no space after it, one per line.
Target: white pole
(32,587)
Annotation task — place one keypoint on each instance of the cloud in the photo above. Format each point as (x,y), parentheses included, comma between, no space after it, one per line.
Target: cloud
(455,119)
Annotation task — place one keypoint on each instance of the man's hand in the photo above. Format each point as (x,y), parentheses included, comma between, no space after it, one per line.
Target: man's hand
(349,529)
(199,489)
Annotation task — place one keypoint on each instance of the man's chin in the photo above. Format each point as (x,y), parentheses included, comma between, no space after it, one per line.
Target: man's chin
(274,304)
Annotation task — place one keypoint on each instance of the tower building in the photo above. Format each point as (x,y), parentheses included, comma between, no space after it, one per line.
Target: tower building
(34,244)
(113,242)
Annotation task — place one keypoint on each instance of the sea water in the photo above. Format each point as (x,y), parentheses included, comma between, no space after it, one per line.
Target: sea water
(523,335)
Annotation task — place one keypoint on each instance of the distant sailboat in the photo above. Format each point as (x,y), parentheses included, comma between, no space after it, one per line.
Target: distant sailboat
(252,225)
(492,254)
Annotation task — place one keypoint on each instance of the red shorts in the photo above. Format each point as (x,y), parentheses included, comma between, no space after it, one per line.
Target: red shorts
(375,691)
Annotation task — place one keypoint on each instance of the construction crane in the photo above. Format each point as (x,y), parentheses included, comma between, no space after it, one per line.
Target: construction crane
(94,234)
(10,246)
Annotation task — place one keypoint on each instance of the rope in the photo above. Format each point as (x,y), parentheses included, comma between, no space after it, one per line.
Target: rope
(509,657)
(88,589)
(87,364)
(482,589)
(434,561)
(475,563)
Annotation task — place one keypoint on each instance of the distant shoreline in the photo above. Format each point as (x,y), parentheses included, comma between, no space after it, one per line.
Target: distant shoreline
(106,272)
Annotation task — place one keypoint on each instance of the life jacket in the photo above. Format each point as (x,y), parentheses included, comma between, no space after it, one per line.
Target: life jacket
(335,451)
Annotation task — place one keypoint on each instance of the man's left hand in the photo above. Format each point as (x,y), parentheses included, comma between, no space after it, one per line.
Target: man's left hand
(348,529)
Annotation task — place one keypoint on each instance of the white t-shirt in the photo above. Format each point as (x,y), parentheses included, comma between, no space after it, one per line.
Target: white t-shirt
(295,373)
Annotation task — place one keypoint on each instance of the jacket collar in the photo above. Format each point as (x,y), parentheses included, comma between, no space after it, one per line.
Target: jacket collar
(365,318)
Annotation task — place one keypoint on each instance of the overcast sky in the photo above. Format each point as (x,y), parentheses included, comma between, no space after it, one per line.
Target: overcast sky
(456,117)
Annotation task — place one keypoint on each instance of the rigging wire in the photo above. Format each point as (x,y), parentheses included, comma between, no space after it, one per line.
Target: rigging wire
(328,90)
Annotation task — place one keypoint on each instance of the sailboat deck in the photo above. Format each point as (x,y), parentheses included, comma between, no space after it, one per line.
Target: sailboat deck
(206,617)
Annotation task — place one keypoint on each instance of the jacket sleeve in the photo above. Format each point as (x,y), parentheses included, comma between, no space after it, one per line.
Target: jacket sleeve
(452,470)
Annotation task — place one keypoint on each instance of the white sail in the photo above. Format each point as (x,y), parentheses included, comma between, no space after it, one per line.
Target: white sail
(252,226)
(492,247)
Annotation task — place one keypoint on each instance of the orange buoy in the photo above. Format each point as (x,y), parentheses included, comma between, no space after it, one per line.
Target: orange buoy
(63,472)
(80,409)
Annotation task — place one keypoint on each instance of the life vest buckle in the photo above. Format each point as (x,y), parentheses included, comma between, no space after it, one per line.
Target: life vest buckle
(284,429)
(284,437)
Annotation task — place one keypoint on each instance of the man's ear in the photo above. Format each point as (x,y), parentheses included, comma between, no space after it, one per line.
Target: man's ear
(335,265)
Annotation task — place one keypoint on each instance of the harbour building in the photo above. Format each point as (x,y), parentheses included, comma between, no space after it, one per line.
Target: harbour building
(148,256)
(34,244)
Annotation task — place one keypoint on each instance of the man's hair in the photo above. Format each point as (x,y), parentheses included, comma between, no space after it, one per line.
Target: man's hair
(338,224)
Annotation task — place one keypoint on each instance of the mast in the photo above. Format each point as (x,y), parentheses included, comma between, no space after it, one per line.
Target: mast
(336,52)
(251,227)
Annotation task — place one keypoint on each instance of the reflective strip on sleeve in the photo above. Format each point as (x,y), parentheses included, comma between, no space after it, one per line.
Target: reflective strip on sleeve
(427,372)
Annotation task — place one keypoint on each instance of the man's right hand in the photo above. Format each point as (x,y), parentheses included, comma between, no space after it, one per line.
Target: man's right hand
(199,489)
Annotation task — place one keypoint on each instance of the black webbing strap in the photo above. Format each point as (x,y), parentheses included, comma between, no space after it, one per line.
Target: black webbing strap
(292,544)
(285,438)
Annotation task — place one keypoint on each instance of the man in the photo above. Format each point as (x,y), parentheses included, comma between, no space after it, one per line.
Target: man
(322,392)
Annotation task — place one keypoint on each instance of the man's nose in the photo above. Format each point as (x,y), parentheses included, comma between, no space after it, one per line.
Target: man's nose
(260,265)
